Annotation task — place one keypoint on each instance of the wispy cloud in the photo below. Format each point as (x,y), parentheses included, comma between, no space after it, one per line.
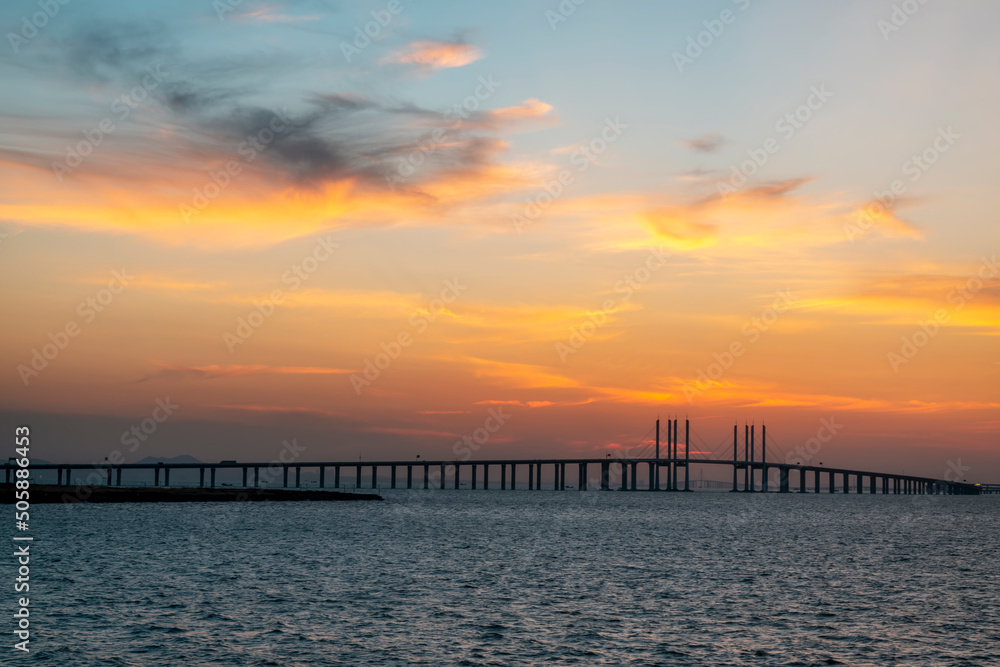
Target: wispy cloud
(435,55)
(706,143)
(173,372)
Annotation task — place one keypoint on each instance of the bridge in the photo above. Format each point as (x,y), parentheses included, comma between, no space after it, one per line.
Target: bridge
(625,473)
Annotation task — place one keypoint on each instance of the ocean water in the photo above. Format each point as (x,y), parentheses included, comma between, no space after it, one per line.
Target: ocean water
(520,578)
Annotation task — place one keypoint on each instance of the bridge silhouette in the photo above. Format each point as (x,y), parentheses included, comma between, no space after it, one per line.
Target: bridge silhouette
(622,472)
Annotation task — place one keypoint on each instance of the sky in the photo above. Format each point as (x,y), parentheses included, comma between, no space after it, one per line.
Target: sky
(379,229)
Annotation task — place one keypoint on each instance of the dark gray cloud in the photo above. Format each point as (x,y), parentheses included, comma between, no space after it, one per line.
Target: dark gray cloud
(215,105)
(707,143)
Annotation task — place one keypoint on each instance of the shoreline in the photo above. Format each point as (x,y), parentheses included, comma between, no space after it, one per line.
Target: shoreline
(51,493)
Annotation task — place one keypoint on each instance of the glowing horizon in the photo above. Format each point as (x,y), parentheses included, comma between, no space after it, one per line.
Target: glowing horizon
(293,231)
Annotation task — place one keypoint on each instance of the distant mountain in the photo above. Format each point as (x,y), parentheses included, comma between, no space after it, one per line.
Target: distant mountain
(183,458)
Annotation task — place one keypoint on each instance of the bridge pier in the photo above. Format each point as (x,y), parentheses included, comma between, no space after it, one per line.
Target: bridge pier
(746,458)
(374,477)
(298,477)
(676,463)
(442,477)
(119,477)
(357,480)
(458,474)
(735,467)
(582,482)
(392,477)
(605,476)
(783,484)
(212,476)
(513,476)
(763,462)
(284,478)
(473,476)
(503,476)
(816,480)
(201,478)
(409,477)
(336,477)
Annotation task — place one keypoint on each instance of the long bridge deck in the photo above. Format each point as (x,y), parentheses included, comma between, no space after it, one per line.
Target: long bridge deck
(664,474)
(661,473)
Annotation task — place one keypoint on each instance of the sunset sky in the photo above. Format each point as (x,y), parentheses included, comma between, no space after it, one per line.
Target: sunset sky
(733,210)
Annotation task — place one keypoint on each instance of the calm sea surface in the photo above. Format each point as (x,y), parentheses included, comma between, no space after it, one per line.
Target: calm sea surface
(519,578)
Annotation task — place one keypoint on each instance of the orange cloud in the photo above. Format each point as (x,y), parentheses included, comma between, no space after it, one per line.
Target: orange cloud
(436,55)
(875,217)
(173,372)
(675,227)
(528,109)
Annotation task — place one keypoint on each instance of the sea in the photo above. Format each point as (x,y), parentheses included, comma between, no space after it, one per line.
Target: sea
(518,578)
